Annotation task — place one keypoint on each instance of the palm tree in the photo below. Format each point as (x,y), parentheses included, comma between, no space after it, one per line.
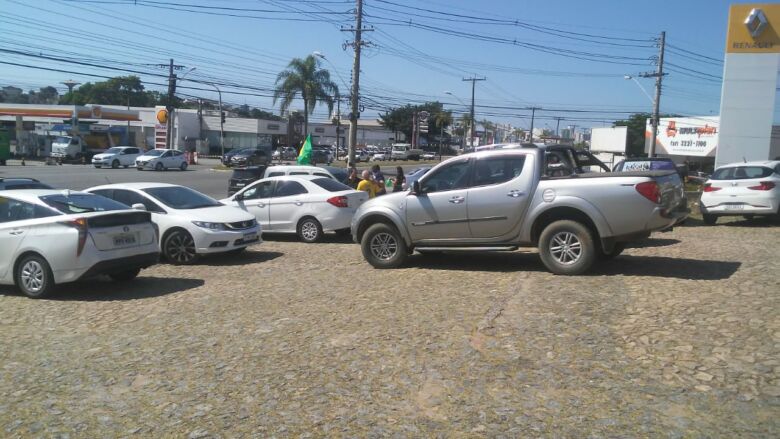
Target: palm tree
(304,77)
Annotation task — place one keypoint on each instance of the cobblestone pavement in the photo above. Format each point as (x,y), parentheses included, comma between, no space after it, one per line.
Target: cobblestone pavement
(678,337)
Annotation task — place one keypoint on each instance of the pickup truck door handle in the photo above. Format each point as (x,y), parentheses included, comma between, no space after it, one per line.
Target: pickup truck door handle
(298,203)
(457,200)
(515,194)
(260,204)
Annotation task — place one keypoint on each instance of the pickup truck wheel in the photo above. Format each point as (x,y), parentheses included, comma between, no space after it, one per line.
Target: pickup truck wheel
(617,249)
(566,247)
(709,219)
(383,246)
(115,164)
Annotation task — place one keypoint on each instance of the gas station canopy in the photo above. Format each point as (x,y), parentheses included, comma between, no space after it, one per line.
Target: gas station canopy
(95,112)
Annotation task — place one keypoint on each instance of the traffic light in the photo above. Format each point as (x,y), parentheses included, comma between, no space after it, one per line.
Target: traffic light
(223,117)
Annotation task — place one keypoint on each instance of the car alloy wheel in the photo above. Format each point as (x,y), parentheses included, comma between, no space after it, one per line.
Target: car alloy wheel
(384,246)
(115,164)
(158,167)
(309,230)
(183,166)
(566,248)
(33,277)
(180,248)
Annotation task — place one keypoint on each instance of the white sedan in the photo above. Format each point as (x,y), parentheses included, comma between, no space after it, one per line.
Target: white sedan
(117,156)
(161,160)
(747,189)
(307,205)
(52,236)
(190,223)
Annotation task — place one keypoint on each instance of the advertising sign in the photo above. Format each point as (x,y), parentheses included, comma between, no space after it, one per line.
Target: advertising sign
(685,136)
(609,139)
(161,128)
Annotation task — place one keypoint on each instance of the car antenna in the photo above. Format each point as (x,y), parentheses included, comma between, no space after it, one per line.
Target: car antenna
(743,159)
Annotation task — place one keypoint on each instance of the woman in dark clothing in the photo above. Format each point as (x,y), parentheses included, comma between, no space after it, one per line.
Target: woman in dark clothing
(353,180)
(399,180)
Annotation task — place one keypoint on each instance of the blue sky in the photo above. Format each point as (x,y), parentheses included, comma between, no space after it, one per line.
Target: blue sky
(398,66)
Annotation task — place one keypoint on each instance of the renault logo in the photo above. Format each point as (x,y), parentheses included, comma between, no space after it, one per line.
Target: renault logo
(756,22)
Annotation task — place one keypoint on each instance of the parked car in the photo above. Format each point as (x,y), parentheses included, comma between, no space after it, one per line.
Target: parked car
(321,155)
(307,205)
(249,157)
(276,171)
(51,237)
(429,156)
(242,177)
(361,155)
(415,175)
(650,164)
(501,200)
(117,156)
(161,160)
(190,224)
(227,158)
(379,157)
(21,183)
(748,189)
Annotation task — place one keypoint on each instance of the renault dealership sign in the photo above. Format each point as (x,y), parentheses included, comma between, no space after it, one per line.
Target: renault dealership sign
(686,136)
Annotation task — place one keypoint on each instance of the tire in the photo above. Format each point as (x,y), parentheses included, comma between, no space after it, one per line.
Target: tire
(183,166)
(97,166)
(617,249)
(179,248)
(115,164)
(383,246)
(567,247)
(309,230)
(158,167)
(33,277)
(126,166)
(125,275)
(709,219)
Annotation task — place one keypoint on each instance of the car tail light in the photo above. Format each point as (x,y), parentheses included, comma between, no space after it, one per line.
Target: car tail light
(763,186)
(650,190)
(708,187)
(79,224)
(340,201)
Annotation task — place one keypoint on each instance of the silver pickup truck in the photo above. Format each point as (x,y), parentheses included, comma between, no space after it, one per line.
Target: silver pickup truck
(506,199)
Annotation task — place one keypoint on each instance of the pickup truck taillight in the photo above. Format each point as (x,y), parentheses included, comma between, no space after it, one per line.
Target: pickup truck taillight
(649,190)
(79,224)
(708,187)
(340,201)
(763,186)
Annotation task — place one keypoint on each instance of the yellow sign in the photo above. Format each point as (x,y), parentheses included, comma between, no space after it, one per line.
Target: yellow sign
(754,28)
(162,116)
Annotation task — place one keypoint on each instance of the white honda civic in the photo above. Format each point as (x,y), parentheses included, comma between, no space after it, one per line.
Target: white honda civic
(48,237)
(307,205)
(746,189)
(191,224)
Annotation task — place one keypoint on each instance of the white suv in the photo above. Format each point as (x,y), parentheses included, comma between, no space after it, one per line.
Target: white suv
(117,156)
(747,189)
(52,236)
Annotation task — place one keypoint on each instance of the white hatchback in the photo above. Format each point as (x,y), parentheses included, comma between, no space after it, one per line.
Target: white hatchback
(747,189)
(190,223)
(307,205)
(52,236)
(117,156)
(161,160)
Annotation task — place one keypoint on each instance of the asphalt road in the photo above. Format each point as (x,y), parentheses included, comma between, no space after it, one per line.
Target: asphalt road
(199,177)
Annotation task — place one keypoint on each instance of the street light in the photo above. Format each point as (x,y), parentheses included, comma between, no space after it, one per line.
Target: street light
(319,54)
(463,137)
(629,77)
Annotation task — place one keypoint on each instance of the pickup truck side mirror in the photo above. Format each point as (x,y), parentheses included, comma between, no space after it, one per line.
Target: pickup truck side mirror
(239,196)
(138,206)
(416,189)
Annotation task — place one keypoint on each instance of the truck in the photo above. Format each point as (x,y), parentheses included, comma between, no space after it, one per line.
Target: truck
(501,200)
(80,148)
(404,151)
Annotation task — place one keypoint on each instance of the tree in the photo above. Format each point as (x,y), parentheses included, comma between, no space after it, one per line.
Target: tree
(637,127)
(401,119)
(304,77)
(122,90)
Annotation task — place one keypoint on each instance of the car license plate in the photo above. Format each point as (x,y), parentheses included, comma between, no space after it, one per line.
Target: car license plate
(250,237)
(735,206)
(240,184)
(123,240)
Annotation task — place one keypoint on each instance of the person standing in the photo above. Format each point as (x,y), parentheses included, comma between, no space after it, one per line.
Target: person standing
(367,185)
(399,180)
(379,179)
(353,180)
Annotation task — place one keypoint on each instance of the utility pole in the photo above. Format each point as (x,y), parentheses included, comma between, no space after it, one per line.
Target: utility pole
(338,124)
(357,44)
(169,107)
(659,76)
(473,80)
(558,126)
(533,115)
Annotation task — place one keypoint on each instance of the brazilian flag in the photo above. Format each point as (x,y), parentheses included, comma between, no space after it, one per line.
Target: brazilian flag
(304,157)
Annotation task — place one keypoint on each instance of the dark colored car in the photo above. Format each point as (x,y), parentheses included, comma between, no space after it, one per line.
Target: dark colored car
(340,174)
(243,177)
(226,159)
(22,183)
(651,164)
(321,155)
(250,157)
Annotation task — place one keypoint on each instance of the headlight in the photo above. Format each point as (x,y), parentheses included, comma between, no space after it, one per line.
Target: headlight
(209,226)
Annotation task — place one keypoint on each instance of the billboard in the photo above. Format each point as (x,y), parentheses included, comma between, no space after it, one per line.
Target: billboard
(609,139)
(685,136)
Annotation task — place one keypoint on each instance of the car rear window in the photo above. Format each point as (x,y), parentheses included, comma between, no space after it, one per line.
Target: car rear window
(247,173)
(741,173)
(80,203)
(330,185)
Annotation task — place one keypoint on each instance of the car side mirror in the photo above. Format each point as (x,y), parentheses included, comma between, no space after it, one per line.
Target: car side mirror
(138,206)
(238,197)
(416,189)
